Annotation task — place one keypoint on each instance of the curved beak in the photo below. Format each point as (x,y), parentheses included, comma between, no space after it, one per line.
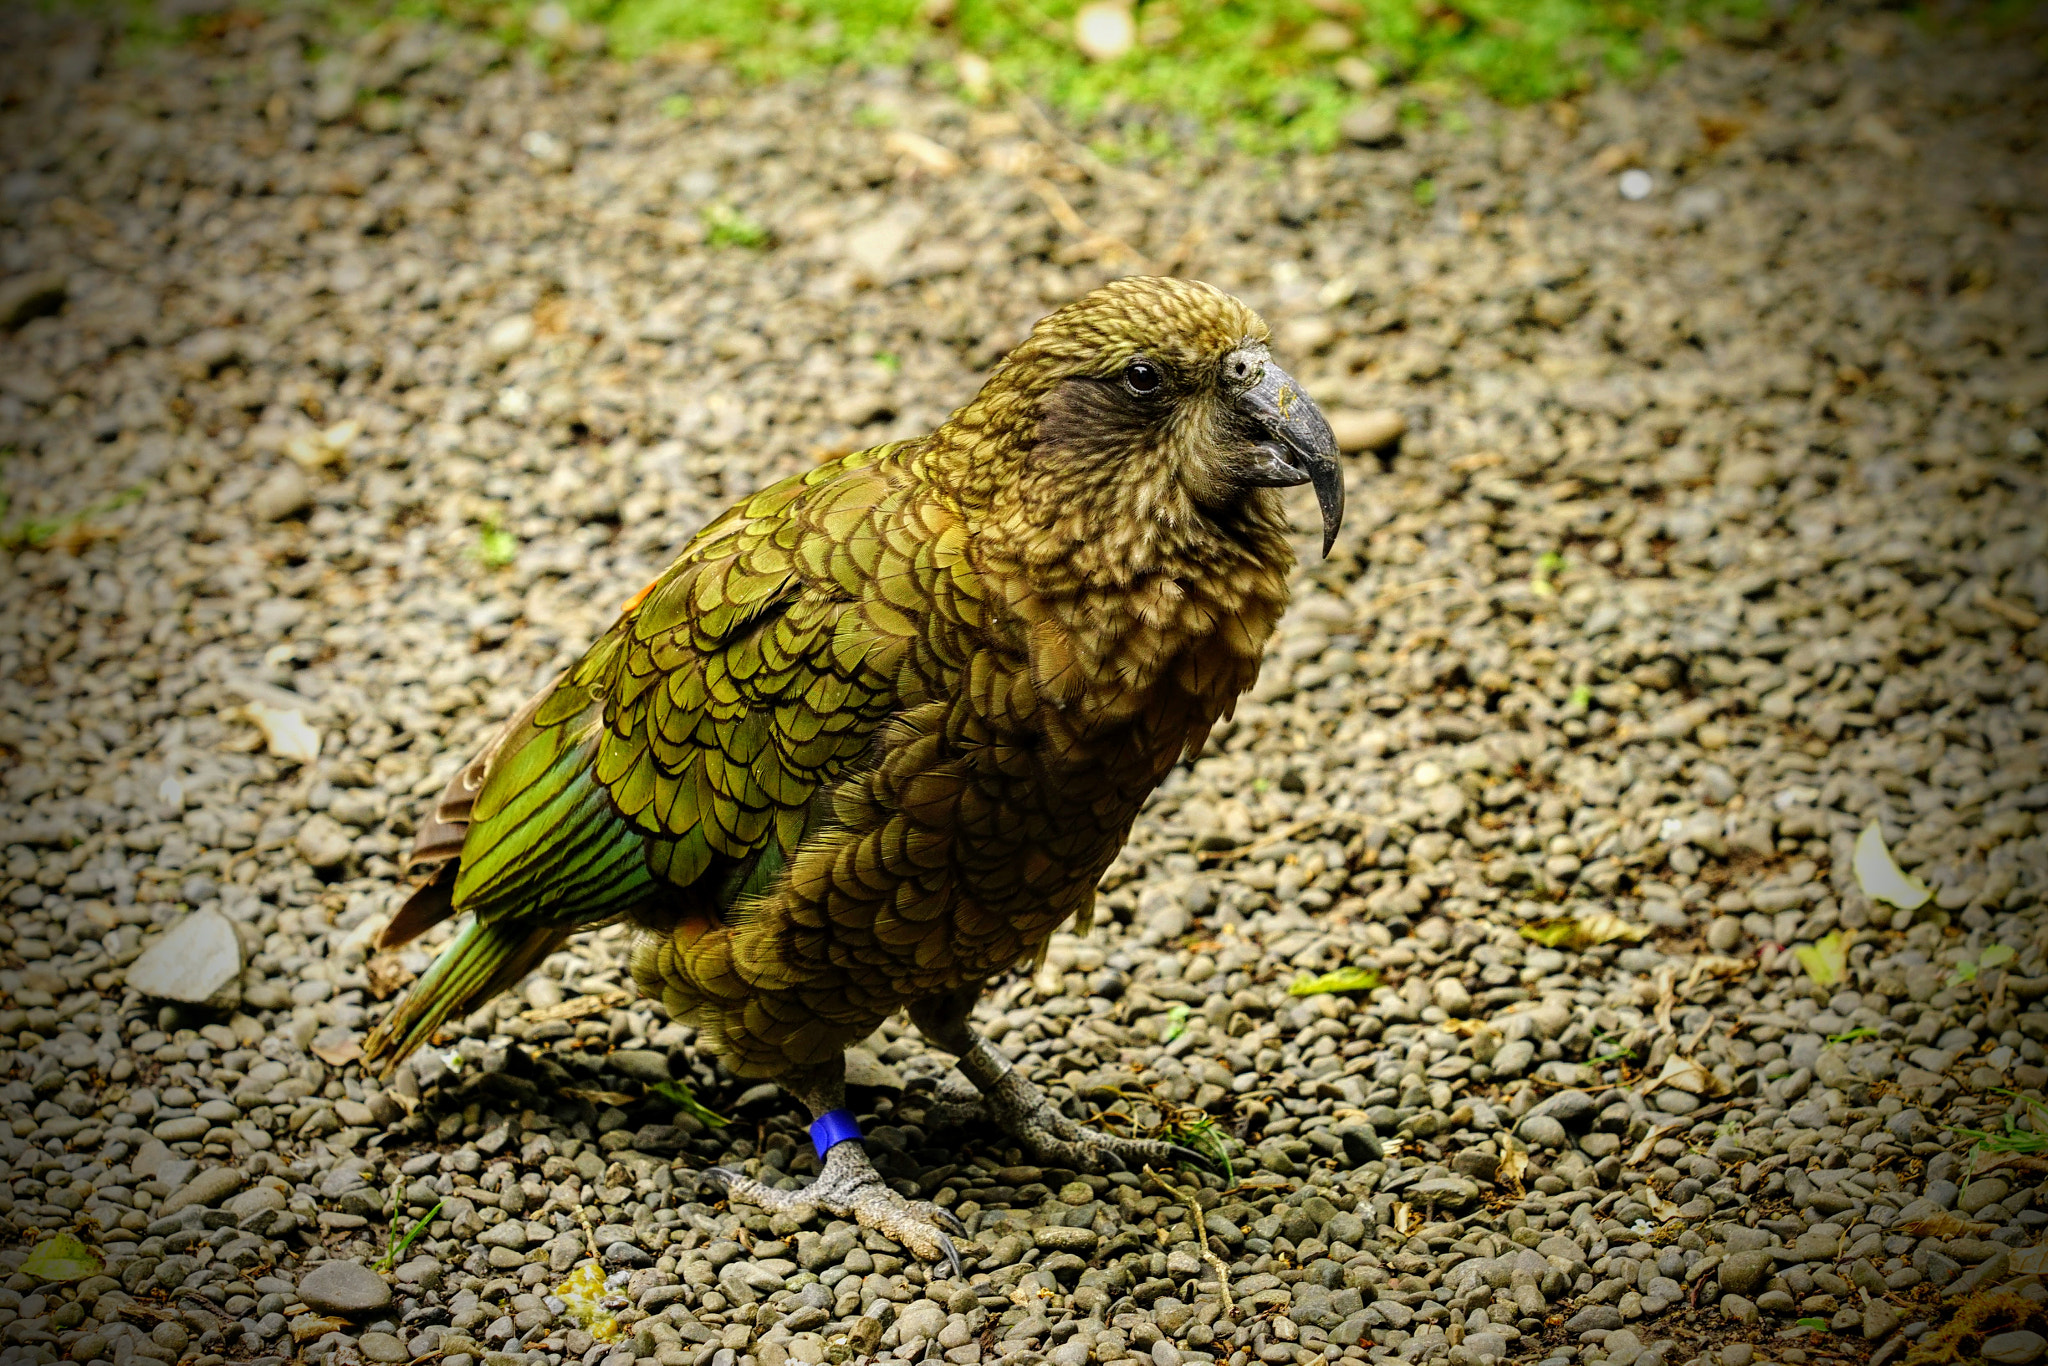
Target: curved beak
(1296,446)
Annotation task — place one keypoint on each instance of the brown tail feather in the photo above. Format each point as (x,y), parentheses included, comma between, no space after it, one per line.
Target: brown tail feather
(432,902)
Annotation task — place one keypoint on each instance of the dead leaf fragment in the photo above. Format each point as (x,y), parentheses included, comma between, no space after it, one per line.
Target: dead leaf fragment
(386,975)
(285,732)
(1585,931)
(576,1007)
(1880,876)
(338,1052)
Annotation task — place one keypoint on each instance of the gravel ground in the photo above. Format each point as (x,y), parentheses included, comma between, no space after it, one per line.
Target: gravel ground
(365,385)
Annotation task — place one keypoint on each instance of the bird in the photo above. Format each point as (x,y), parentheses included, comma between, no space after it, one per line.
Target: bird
(876,732)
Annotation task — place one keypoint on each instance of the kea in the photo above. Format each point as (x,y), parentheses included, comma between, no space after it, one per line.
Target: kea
(877,731)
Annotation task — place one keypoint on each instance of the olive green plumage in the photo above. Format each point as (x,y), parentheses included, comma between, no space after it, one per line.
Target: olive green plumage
(876,732)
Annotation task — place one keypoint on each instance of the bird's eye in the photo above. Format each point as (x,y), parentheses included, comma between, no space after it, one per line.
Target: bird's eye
(1141,377)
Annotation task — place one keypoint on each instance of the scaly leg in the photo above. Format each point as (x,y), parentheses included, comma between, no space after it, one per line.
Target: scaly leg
(1022,1109)
(848,1186)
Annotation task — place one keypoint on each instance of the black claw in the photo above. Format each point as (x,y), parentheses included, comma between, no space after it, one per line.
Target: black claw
(1190,1155)
(952,1256)
(952,1221)
(1112,1160)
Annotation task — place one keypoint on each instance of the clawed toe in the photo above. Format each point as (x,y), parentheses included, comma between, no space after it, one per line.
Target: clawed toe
(1183,1155)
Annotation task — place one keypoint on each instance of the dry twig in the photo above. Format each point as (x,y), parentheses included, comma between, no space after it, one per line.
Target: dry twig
(1201,1233)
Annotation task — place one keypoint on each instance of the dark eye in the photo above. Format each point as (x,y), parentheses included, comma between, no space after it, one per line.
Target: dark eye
(1141,377)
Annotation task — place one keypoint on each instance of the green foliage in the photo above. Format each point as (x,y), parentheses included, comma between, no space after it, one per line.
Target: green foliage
(1202,1133)
(725,226)
(684,1099)
(1425,192)
(61,1257)
(1176,1022)
(1994,956)
(1826,960)
(495,547)
(396,1250)
(1342,979)
(32,533)
(1260,69)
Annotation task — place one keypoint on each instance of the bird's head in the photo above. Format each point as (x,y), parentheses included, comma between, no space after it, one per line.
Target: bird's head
(1159,398)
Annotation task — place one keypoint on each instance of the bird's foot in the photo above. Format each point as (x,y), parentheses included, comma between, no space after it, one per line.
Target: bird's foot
(850,1188)
(955,1104)
(1055,1140)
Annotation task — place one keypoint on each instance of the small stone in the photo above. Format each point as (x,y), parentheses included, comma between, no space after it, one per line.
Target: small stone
(382,1347)
(508,336)
(284,492)
(1543,1131)
(28,297)
(1359,429)
(1737,1309)
(1104,30)
(1983,1191)
(196,959)
(1744,1273)
(349,1289)
(208,1188)
(1724,932)
(1513,1059)
(322,843)
(1879,1319)
(1594,1316)
(1375,123)
(2015,1349)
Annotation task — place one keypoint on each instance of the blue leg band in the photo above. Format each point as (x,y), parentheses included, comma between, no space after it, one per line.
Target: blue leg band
(833,1128)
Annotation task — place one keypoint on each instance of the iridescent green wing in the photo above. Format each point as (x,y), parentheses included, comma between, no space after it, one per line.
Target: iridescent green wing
(695,744)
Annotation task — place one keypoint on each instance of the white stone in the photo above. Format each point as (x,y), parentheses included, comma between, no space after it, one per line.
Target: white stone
(191,962)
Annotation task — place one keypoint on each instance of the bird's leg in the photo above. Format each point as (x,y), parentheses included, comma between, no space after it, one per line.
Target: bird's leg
(848,1186)
(1024,1110)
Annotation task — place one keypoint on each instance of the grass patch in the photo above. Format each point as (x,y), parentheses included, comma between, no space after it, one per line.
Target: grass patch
(1267,73)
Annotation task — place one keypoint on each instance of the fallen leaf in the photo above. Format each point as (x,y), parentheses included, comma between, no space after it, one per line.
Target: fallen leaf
(61,1257)
(1403,1217)
(1514,1164)
(1881,878)
(1342,979)
(576,1007)
(338,1052)
(315,1326)
(1827,960)
(1586,931)
(2030,1261)
(618,1098)
(1664,1210)
(285,732)
(386,975)
(1684,1074)
(1943,1225)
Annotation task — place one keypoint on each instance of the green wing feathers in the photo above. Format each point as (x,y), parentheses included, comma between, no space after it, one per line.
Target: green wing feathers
(488,958)
(679,766)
